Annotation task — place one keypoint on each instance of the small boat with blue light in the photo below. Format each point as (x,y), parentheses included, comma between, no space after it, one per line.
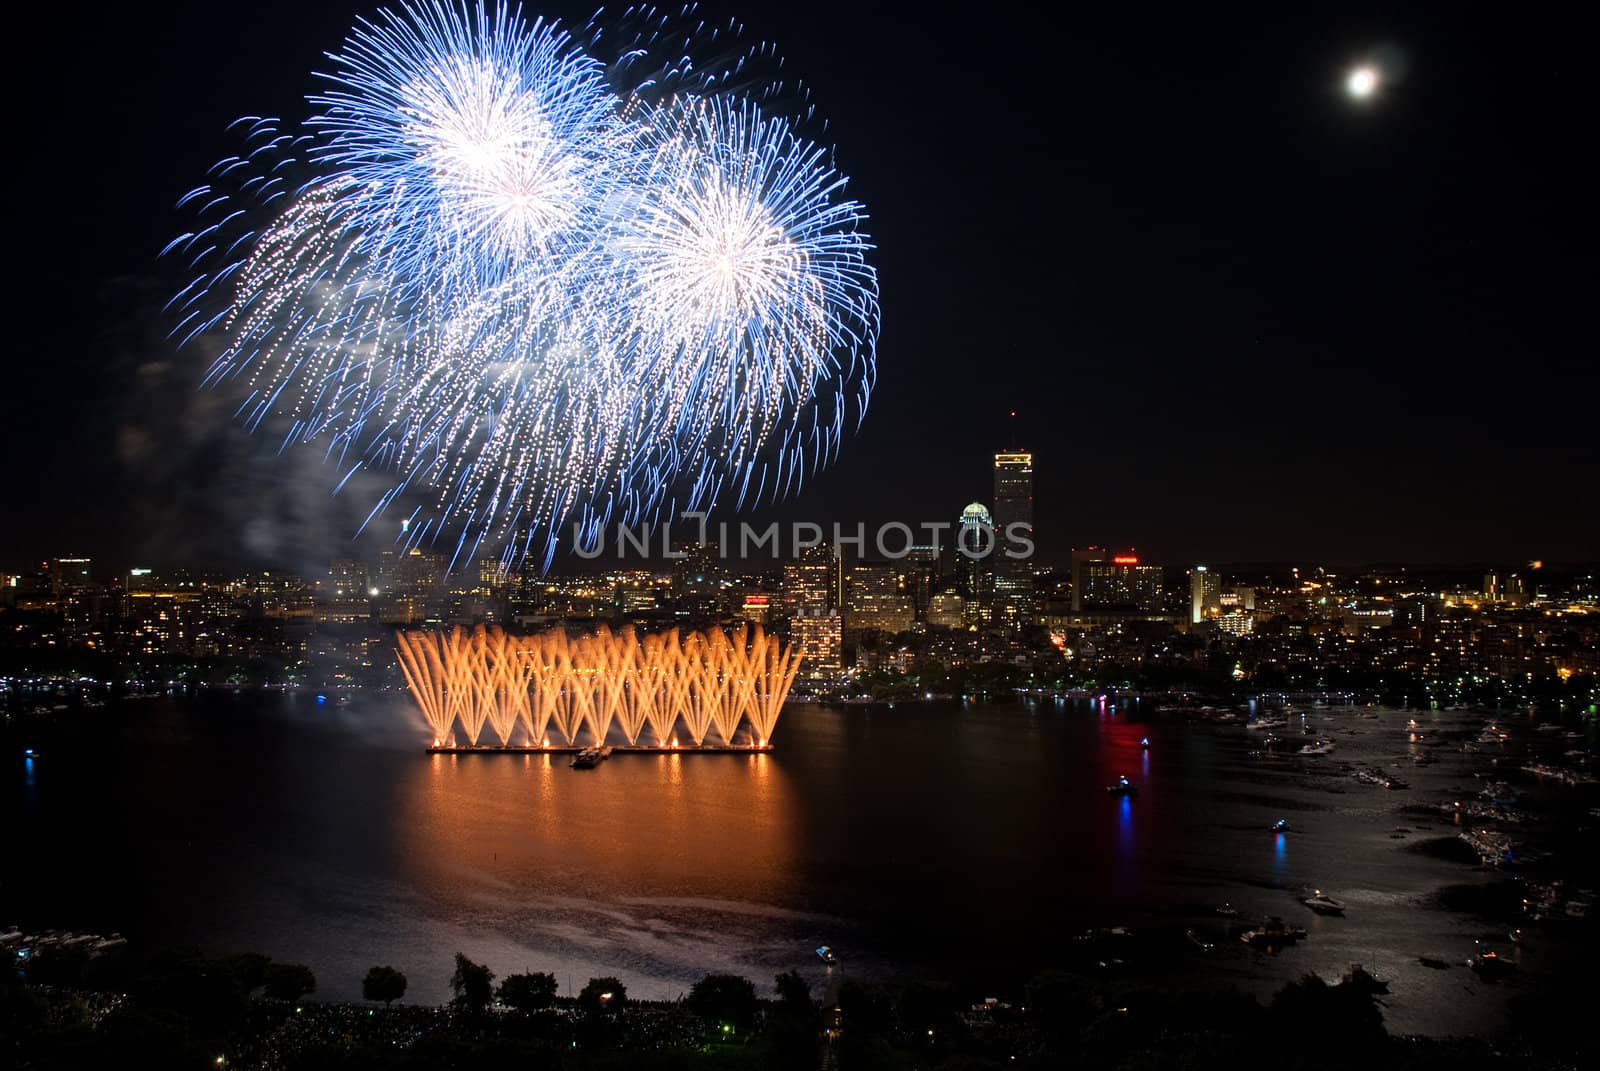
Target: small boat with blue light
(1123,787)
(825,954)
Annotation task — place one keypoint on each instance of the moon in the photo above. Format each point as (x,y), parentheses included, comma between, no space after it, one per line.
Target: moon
(1361,82)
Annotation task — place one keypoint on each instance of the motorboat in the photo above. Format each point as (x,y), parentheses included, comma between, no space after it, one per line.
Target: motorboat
(1281,826)
(1123,787)
(1488,964)
(1323,904)
(825,954)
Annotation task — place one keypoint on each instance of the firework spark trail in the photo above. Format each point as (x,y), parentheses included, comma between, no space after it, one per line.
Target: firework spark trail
(589,686)
(534,282)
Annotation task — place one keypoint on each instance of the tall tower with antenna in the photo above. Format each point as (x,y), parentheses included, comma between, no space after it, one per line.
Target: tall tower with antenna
(1013,516)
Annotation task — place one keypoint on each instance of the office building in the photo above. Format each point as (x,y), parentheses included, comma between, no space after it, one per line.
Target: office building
(1013,518)
(812,581)
(1205,593)
(818,636)
(875,598)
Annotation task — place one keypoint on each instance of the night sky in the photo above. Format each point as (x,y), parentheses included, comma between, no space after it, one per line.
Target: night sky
(1241,317)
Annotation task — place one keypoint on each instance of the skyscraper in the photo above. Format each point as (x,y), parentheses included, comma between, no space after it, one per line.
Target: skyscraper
(1205,593)
(1013,505)
(919,572)
(69,576)
(1082,556)
(812,581)
(974,550)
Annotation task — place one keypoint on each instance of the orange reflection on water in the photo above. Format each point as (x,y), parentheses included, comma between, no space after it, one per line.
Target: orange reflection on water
(681,824)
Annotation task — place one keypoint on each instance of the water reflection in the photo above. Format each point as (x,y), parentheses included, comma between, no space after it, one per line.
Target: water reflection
(1125,838)
(878,832)
(639,825)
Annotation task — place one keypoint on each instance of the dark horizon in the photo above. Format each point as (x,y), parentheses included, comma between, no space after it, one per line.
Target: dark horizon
(1242,318)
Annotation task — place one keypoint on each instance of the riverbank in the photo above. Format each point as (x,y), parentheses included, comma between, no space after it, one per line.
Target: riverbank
(177,1011)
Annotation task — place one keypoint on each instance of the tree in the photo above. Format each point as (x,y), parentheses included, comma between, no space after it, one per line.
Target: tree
(794,993)
(528,992)
(473,984)
(603,996)
(1340,1017)
(927,1007)
(385,984)
(725,1000)
(249,970)
(289,981)
(793,1026)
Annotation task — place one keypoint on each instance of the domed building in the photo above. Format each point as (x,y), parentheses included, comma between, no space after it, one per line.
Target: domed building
(975,543)
(975,530)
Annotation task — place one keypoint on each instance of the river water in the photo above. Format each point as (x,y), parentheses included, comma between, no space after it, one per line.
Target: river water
(970,842)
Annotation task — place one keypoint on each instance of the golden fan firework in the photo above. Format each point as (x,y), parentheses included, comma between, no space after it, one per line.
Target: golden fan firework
(659,691)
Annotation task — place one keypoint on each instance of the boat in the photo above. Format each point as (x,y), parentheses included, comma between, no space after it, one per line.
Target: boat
(1321,747)
(1123,787)
(1199,942)
(587,759)
(1488,964)
(1144,744)
(825,954)
(1272,932)
(1323,904)
(1281,826)
(1227,910)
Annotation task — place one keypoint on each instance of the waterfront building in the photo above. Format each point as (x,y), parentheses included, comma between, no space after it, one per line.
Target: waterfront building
(819,637)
